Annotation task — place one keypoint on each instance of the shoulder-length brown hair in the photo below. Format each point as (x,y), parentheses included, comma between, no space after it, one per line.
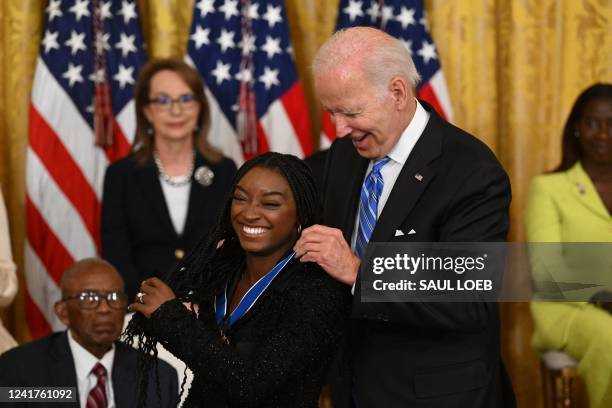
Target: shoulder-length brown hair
(144,143)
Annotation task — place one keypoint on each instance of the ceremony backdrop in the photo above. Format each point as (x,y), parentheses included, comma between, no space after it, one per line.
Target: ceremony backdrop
(513,69)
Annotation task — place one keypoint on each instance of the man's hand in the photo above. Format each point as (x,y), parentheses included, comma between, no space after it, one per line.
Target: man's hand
(326,246)
(153,293)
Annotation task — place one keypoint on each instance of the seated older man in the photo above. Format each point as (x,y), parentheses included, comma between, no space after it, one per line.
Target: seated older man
(87,356)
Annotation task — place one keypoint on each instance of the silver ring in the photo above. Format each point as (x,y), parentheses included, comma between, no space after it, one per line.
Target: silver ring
(140,297)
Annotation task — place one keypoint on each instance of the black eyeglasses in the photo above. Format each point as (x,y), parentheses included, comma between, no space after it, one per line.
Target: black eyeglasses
(164,103)
(91,299)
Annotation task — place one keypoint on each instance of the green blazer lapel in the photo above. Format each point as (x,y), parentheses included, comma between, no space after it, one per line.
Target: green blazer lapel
(582,188)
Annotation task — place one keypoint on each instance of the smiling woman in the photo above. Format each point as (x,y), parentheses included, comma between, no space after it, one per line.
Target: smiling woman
(266,325)
(263,213)
(574,204)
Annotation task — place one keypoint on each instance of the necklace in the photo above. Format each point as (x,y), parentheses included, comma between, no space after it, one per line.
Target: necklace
(174,181)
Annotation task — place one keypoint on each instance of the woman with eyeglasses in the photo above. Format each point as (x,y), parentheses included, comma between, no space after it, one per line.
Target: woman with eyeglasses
(167,193)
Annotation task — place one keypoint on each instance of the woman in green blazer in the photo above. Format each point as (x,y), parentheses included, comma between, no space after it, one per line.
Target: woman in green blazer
(574,204)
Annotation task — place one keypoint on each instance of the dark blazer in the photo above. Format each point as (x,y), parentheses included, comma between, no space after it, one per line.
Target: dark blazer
(316,162)
(419,354)
(48,362)
(138,237)
(279,352)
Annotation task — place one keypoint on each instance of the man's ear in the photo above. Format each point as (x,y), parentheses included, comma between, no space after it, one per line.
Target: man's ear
(61,311)
(400,91)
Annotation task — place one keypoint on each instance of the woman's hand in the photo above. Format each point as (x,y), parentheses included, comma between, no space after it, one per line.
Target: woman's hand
(153,293)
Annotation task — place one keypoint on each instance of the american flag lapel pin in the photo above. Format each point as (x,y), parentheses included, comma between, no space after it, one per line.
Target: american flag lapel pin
(418,176)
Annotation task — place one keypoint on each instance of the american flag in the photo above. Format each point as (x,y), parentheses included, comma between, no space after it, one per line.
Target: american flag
(403,19)
(243,50)
(65,168)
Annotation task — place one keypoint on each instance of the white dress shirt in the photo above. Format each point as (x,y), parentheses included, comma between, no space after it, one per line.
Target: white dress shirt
(177,201)
(398,156)
(84,362)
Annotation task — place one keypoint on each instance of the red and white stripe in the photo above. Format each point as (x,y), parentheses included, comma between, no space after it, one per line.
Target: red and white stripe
(284,128)
(64,178)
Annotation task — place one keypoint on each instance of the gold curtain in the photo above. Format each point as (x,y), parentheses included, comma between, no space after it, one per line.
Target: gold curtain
(20,26)
(513,70)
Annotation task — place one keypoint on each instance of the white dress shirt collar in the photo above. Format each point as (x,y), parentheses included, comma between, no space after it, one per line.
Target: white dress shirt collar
(398,155)
(84,362)
(410,136)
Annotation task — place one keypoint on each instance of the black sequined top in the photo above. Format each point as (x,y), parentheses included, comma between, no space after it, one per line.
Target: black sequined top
(278,352)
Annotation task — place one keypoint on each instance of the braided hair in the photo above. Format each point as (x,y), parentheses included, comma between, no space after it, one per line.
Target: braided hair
(205,271)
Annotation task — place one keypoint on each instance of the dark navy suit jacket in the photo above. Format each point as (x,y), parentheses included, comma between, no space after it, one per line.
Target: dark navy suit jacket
(48,362)
(424,354)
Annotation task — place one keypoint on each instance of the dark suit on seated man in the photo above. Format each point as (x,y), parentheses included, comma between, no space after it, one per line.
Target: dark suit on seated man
(400,173)
(87,356)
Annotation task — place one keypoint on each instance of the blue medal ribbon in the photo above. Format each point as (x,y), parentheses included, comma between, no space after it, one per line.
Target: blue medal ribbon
(249,298)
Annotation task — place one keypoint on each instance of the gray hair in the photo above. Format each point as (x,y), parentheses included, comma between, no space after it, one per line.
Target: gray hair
(380,56)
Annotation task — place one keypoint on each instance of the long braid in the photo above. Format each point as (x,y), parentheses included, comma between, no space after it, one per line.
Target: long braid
(206,269)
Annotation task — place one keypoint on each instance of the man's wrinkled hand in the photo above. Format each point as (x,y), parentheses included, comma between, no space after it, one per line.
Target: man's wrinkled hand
(327,247)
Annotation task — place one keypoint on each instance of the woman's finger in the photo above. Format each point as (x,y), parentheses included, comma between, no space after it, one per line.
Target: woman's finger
(136,307)
(153,283)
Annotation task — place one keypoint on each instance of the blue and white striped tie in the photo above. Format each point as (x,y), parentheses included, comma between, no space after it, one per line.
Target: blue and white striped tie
(368,206)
